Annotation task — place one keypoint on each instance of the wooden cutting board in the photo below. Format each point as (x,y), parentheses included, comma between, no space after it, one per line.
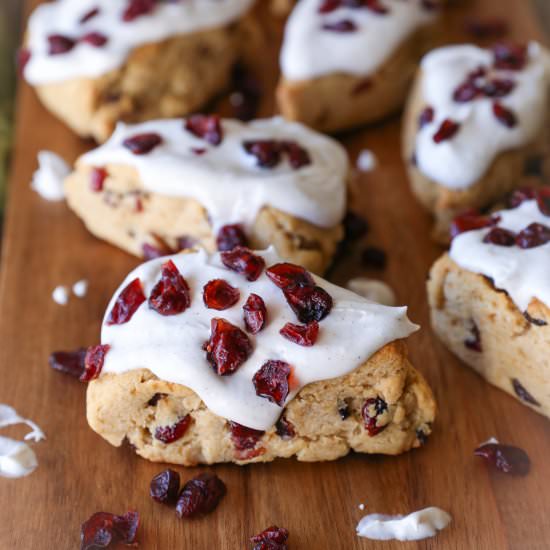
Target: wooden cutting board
(45,245)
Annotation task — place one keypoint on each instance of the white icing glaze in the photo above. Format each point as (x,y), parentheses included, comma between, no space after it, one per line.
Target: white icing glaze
(80,288)
(415,526)
(9,417)
(84,60)
(60,295)
(309,51)
(376,291)
(226,179)
(366,161)
(47,181)
(522,273)
(171,347)
(462,160)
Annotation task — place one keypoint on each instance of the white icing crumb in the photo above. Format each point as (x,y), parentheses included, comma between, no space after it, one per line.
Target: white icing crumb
(80,288)
(361,506)
(490,441)
(416,526)
(366,161)
(376,291)
(47,181)
(60,295)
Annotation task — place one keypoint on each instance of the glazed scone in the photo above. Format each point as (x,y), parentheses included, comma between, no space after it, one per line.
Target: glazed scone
(97,62)
(490,297)
(185,383)
(344,66)
(474,119)
(215,183)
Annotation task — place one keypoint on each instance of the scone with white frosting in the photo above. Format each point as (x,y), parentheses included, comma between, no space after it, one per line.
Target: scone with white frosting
(475,118)
(96,62)
(345,64)
(490,296)
(162,186)
(239,357)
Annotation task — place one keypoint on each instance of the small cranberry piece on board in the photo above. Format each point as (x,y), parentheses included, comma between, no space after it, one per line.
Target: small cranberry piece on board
(104,529)
(255,314)
(97,179)
(242,260)
(169,434)
(506,458)
(200,496)
(95,39)
(372,409)
(309,303)
(165,487)
(141,144)
(285,428)
(244,438)
(303,335)
(509,57)
(273,538)
(59,44)
(171,294)
(219,294)
(474,341)
(272,381)
(447,130)
(127,303)
(267,152)
(535,234)
(470,221)
(228,347)
(69,362)
(466,92)
(230,236)
(344,25)
(207,127)
(425,117)
(93,362)
(504,116)
(89,15)
(284,275)
(523,394)
(137,8)
(500,237)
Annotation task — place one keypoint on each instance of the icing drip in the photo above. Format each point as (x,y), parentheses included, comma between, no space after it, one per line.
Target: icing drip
(47,181)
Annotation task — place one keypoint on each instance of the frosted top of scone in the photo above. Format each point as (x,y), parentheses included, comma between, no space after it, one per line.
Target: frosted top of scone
(172,347)
(478,103)
(513,250)
(267,162)
(88,38)
(325,36)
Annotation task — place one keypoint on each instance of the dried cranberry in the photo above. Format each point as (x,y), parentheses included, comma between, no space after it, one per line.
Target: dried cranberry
(374,257)
(244,438)
(89,15)
(309,303)
(285,428)
(506,458)
(504,115)
(298,157)
(184,242)
(255,314)
(169,434)
(509,57)
(500,237)
(494,27)
(127,303)
(165,487)
(104,529)
(97,179)
(200,496)
(470,221)
(273,538)
(170,295)
(498,87)
(272,381)
(230,236)
(474,341)
(93,362)
(535,234)
(466,92)
(303,335)
(446,131)
(267,152)
(329,5)
(141,144)
(23,57)
(355,226)
(199,151)
(242,260)
(219,294)
(543,200)
(372,409)
(59,44)
(137,8)
(207,127)
(344,25)
(152,252)
(95,39)
(521,195)
(426,116)
(523,394)
(343,408)
(69,362)
(228,347)
(286,274)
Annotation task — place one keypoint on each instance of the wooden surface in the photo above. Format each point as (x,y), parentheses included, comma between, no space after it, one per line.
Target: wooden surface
(79,473)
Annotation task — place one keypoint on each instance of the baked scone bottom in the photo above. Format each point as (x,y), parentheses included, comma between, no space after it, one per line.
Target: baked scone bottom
(133,404)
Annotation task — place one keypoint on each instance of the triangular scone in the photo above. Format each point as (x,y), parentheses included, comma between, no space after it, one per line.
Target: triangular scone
(352,388)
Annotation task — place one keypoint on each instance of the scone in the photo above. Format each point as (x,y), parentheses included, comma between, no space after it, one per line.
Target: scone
(474,119)
(239,357)
(162,186)
(96,62)
(345,64)
(490,296)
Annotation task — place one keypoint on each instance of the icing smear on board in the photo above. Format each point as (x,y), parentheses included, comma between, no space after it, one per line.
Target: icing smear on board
(47,181)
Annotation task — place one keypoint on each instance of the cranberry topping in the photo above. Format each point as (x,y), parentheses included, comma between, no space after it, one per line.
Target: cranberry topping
(426,116)
(268,153)
(374,257)
(272,381)
(523,394)
(474,341)
(69,362)
(493,27)
(243,261)
(199,151)
(200,496)
(93,362)
(303,335)
(298,157)
(127,303)
(59,44)
(543,200)
(207,127)
(151,252)
(535,234)
(228,347)
(286,274)
(23,57)
(466,92)
(471,220)
(285,428)
(104,529)
(446,131)
(498,87)
(309,303)
(89,15)
(343,406)
(165,487)
(95,39)
(355,226)
(504,115)
(521,195)
(137,8)
(97,179)
(344,25)
(273,538)
(244,438)
(372,409)
(506,458)
(500,237)
(184,242)
(170,295)
(509,57)
(219,294)
(169,434)
(141,144)
(255,314)
(230,236)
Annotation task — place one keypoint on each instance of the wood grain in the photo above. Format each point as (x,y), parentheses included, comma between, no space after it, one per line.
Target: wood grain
(45,245)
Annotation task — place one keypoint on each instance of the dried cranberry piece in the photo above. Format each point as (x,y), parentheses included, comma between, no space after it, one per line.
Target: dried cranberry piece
(343,408)
(267,152)
(285,428)
(243,261)
(255,314)
(504,115)
(309,303)
(59,44)
(97,179)
(303,335)
(494,27)
(298,157)
(521,195)
(228,348)
(170,295)
(372,409)
(471,220)
(523,394)
(23,57)
(127,303)
(498,87)
(184,242)
(137,8)
(344,25)
(93,362)
(200,496)
(426,116)
(219,294)
(474,341)
(329,5)
(272,381)
(506,458)
(355,226)
(141,144)
(244,438)
(165,487)
(169,434)
(89,15)
(374,257)
(199,151)
(543,200)
(273,538)
(509,57)
(207,127)
(152,252)
(447,130)
(500,237)
(466,92)
(535,234)
(286,274)
(95,39)
(69,362)
(230,236)
(104,529)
